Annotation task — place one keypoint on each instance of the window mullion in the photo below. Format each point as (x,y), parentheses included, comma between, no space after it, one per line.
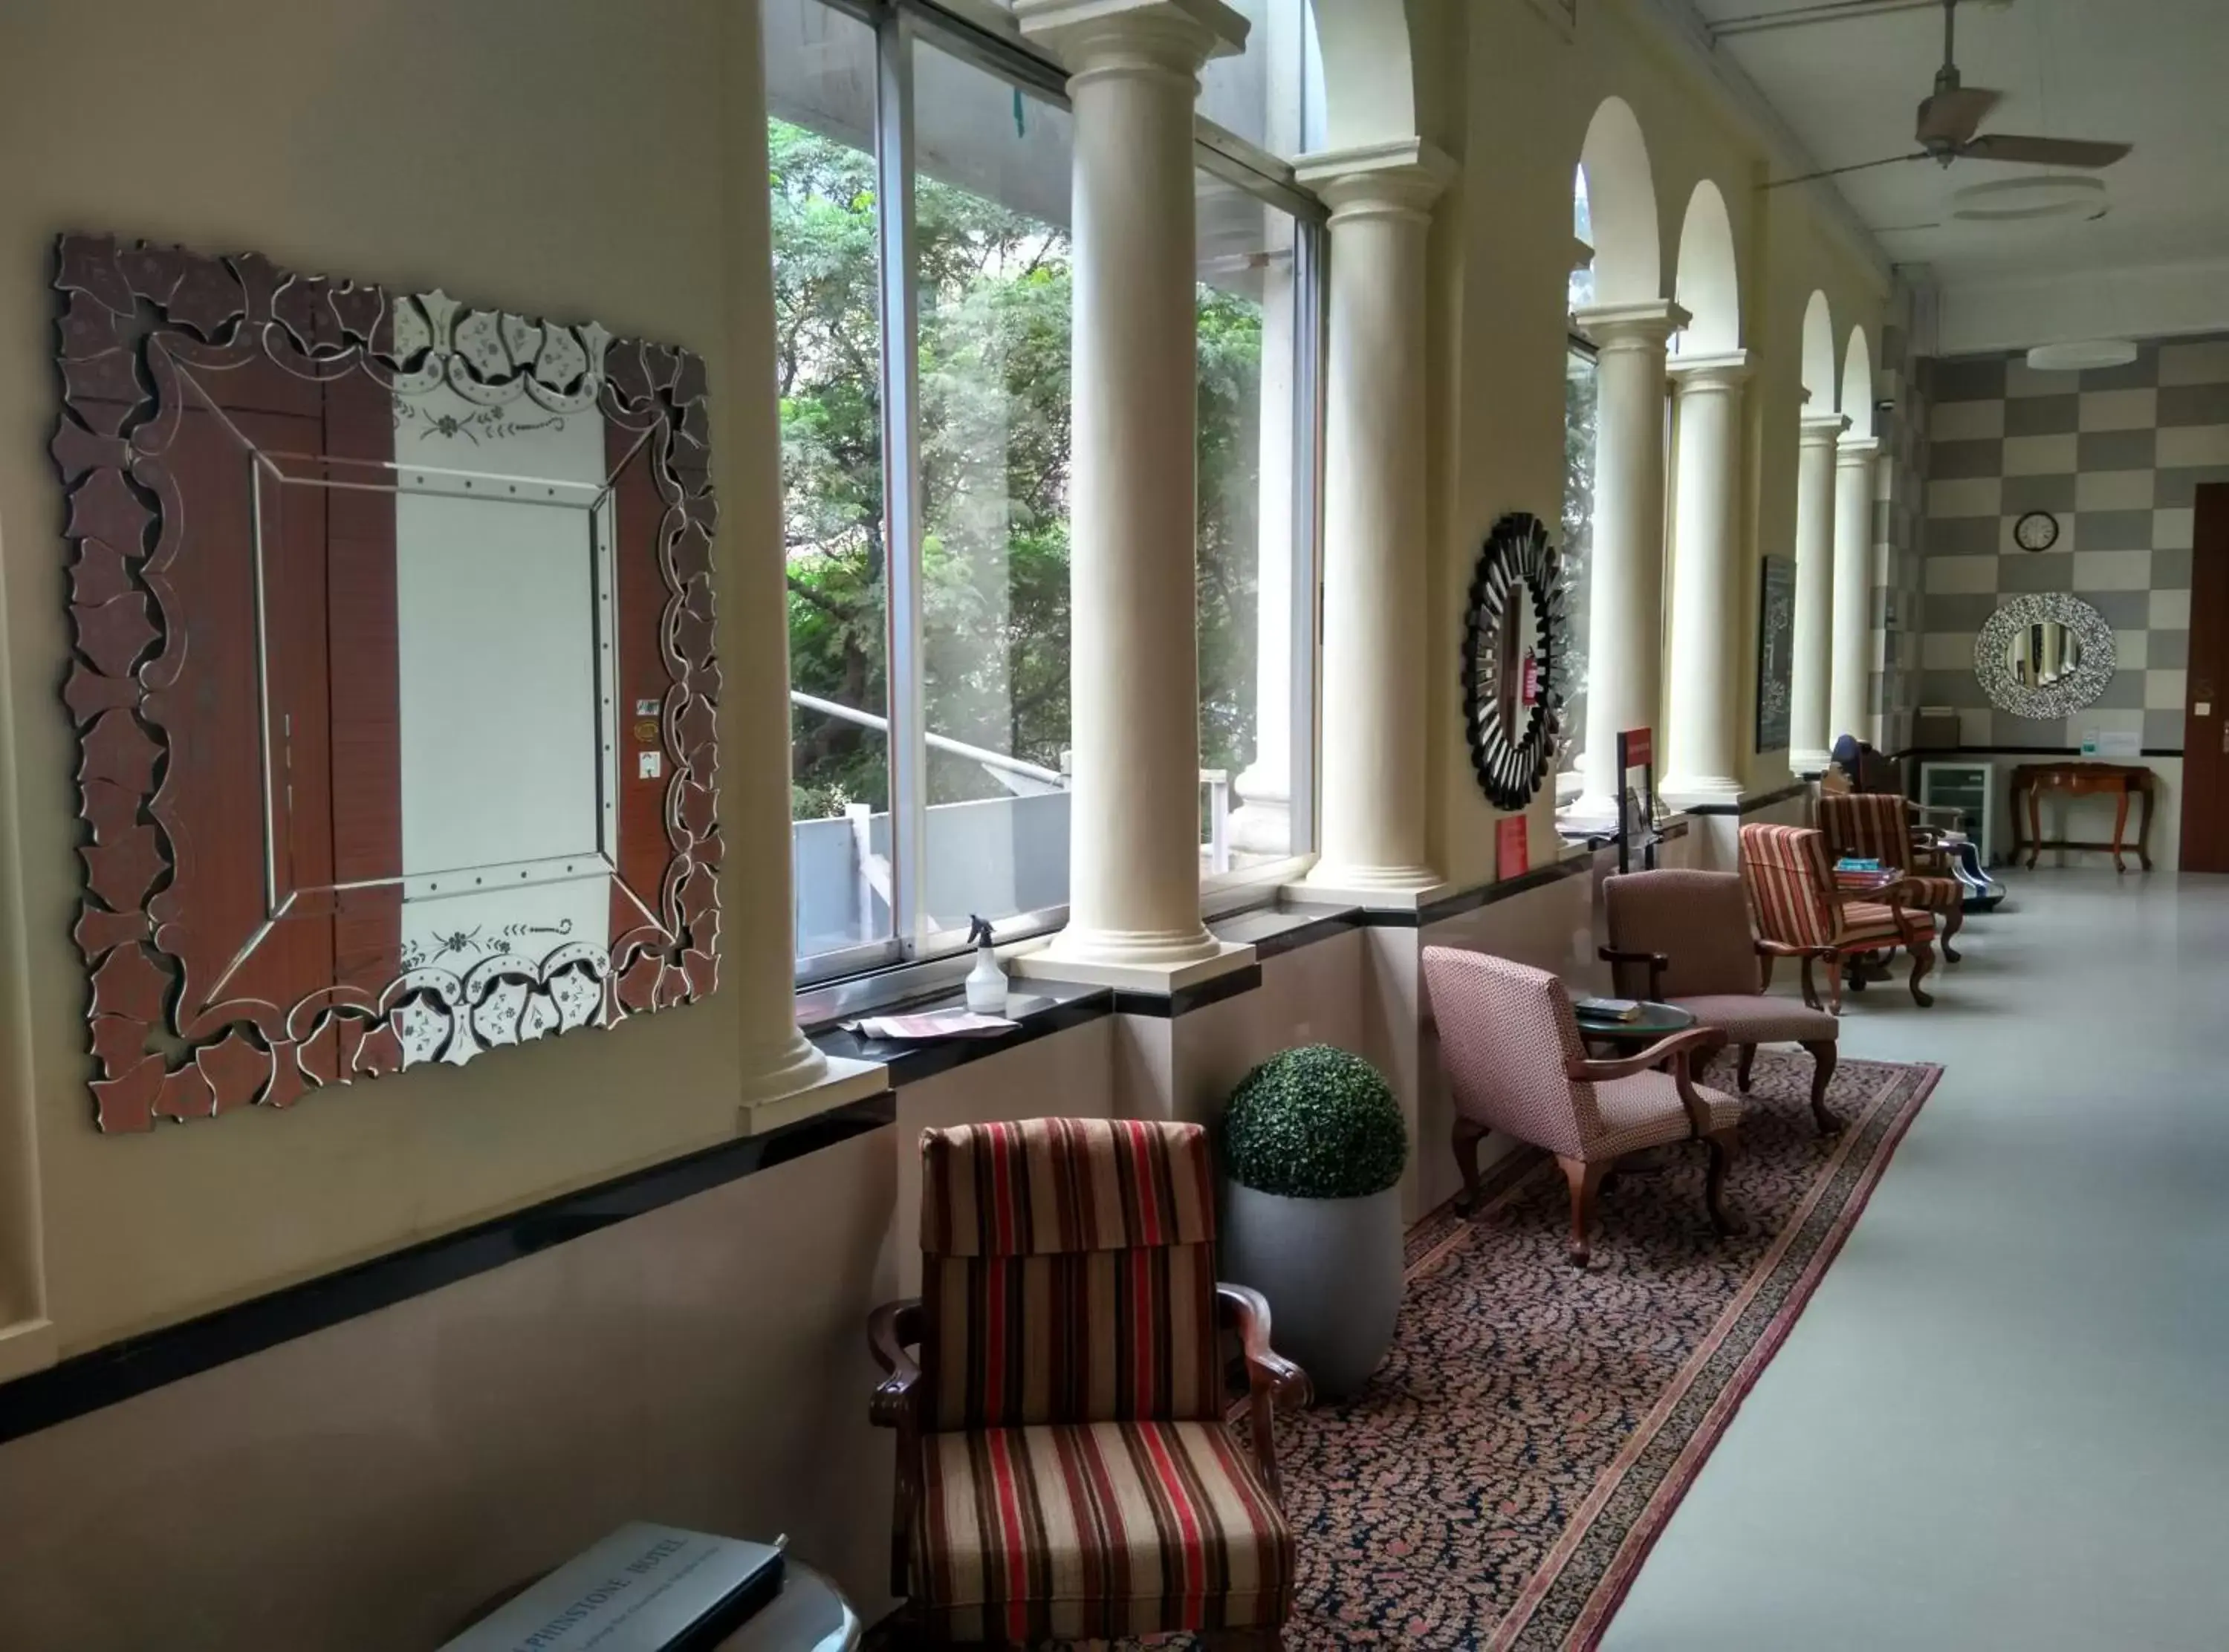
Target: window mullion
(901,494)
(1312,247)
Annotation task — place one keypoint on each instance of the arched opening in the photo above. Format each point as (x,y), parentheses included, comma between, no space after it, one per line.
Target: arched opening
(1819,354)
(1708,284)
(1370,92)
(1621,195)
(1857,404)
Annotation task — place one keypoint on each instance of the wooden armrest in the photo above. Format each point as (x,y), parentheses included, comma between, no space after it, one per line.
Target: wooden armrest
(1679,1048)
(1782,950)
(1244,1309)
(1656,962)
(892,1328)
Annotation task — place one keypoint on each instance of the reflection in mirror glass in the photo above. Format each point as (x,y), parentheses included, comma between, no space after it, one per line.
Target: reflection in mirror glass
(2042,654)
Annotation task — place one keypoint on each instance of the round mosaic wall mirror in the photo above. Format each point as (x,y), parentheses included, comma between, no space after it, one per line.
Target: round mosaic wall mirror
(1514,642)
(2044,656)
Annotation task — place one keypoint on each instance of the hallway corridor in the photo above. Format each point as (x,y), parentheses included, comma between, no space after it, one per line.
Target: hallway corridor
(1999,1423)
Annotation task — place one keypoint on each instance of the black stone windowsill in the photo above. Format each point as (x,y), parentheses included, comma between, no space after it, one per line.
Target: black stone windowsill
(1041,1007)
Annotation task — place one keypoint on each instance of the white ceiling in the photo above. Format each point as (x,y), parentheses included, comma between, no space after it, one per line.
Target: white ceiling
(2152,73)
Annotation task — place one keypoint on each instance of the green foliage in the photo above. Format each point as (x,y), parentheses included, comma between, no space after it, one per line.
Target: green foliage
(992,346)
(1314,1123)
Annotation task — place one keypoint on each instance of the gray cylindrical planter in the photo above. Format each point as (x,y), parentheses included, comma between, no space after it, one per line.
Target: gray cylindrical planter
(1331,1269)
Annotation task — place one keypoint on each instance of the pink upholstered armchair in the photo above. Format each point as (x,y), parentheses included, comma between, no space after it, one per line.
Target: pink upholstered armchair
(1510,1047)
(1065,1471)
(1684,937)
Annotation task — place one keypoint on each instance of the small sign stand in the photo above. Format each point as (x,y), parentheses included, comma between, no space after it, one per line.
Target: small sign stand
(1636,815)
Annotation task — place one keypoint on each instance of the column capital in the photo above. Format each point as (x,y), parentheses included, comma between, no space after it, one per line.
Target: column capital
(1398,178)
(1823,429)
(1093,37)
(1855,450)
(1727,370)
(1646,325)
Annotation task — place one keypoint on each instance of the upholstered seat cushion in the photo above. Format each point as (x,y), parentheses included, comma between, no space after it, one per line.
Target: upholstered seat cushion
(1645,1110)
(1096,1530)
(1870,926)
(1756,1020)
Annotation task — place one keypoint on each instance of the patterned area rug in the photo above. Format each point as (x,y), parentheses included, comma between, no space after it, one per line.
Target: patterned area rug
(1498,1481)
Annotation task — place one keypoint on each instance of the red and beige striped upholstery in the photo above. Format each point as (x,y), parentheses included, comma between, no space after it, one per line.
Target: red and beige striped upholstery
(1790,883)
(1872,825)
(1507,1041)
(1080,1481)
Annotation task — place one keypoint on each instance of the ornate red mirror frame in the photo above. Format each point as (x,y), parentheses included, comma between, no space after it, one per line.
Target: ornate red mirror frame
(393,680)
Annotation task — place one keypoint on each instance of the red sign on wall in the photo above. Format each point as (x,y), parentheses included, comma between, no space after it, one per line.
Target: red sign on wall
(1510,849)
(1639,746)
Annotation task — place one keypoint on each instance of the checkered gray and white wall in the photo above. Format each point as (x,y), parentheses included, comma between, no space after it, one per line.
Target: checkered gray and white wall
(2116,455)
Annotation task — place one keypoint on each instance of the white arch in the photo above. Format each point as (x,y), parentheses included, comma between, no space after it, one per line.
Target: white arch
(1819,354)
(1707,284)
(1857,403)
(1370,91)
(1621,202)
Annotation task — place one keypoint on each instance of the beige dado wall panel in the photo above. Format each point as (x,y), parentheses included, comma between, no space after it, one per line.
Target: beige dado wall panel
(368,1487)
(572,158)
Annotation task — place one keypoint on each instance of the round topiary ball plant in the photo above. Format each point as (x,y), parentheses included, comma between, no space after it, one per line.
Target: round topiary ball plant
(1314,1123)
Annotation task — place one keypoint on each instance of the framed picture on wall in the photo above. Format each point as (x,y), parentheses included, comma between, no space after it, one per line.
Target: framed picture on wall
(1776,642)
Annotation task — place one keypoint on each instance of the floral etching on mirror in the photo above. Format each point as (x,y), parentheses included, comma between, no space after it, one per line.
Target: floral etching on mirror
(393,677)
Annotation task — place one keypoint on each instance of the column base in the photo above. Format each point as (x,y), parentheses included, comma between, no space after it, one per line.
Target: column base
(1688,791)
(1370,885)
(835,1083)
(1061,962)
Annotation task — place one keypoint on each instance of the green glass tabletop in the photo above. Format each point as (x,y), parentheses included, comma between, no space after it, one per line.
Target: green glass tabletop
(1654,1020)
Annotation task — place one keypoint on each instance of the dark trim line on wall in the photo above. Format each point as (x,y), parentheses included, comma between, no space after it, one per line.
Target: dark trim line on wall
(1752,805)
(2023,751)
(1485,894)
(86,1382)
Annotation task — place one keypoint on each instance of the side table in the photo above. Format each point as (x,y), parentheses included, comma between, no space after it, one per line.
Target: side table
(2119,780)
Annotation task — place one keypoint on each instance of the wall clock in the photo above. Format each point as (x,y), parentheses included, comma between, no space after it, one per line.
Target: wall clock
(2036,531)
(1514,641)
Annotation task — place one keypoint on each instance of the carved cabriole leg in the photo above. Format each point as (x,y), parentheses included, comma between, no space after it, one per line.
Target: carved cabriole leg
(1585,1180)
(1464,1138)
(1725,1148)
(1824,1054)
(1744,1056)
(1953,921)
(1923,960)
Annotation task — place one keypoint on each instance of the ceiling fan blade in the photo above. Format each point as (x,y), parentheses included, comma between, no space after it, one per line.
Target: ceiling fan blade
(1837,171)
(2044,152)
(1954,116)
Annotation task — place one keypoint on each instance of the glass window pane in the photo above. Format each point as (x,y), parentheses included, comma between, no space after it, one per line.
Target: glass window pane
(1578,543)
(1248,543)
(990,211)
(1271,94)
(820,81)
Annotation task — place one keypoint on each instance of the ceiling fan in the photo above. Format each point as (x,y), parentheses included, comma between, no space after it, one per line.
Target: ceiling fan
(1949,122)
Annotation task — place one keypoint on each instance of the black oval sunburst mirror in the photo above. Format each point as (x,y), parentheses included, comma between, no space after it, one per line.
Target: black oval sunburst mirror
(1514,642)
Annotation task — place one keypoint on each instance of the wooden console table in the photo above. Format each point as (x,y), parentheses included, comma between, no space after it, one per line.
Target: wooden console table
(2120,780)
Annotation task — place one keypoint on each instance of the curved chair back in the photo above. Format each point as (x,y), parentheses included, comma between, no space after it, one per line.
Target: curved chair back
(1507,1041)
(1699,922)
(1788,875)
(1068,1273)
(1869,825)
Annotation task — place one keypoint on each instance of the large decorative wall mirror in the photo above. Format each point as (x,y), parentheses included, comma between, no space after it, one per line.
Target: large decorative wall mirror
(394,678)
(1514,644)
(2044,656)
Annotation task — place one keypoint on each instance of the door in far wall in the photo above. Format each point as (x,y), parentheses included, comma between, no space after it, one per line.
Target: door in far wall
(2205,711)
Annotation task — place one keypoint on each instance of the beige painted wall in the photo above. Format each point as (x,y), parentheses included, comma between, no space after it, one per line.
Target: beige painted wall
(1501,255)
(571,157)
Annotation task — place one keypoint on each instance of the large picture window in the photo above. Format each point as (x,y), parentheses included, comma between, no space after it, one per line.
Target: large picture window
(920,174)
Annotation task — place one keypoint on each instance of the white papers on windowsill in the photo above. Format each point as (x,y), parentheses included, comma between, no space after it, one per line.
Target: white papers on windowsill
(936,1023)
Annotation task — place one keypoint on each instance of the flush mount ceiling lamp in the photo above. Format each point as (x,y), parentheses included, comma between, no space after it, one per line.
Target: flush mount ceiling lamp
(1948,128)
(2058,194)
(2081,353)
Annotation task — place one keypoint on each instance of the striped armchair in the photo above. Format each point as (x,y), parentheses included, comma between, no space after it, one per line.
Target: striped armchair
(1801,914)
(1065,1471)
(1877,825)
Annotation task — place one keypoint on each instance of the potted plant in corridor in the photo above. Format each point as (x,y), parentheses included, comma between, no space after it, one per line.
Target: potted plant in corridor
(1313,1144)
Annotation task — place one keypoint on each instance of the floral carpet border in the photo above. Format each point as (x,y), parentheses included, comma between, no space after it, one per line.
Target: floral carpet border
(1571,1597)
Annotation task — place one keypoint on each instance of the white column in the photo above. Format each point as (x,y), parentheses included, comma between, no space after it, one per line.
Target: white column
(1375,580)
(1811,667)
(1853,581)
(1703,727)
(1133,834)
(1625,619)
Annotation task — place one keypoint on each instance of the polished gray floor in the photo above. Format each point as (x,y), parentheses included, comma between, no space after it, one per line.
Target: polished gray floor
(2003,1421)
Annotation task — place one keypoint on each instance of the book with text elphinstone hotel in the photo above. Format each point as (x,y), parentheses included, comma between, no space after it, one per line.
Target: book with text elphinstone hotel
(643,1589)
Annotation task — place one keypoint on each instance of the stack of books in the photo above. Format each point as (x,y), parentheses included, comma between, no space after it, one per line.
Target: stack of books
(643,1589)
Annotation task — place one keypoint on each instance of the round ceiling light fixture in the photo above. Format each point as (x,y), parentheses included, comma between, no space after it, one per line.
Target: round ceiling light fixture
(2054,195)
(2081,353)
